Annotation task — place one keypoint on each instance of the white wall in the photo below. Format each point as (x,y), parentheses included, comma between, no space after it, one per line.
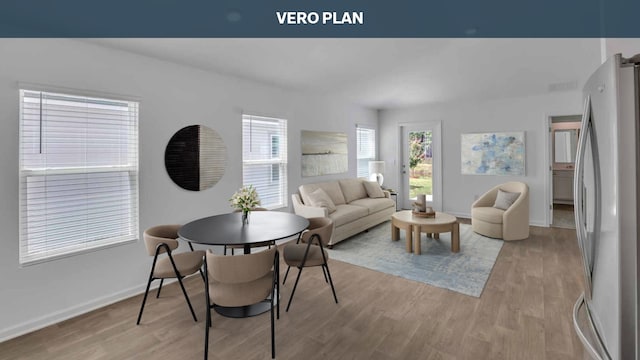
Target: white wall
(527,114)
(172,96)
(627,47)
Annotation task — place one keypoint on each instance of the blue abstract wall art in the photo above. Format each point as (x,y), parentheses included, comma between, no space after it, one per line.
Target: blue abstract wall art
(498,153)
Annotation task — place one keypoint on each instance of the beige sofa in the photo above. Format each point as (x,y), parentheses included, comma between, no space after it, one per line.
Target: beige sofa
(509,224)
(355,211)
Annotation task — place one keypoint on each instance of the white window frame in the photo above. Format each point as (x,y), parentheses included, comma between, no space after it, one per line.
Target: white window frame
(33,249)
(363,172)
(269,159)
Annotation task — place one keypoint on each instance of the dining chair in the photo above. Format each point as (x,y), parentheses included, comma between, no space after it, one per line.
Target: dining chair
(163,239)
(260,244)
(241,281)
(309,251)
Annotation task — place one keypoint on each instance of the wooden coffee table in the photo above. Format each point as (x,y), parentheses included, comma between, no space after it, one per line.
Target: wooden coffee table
(414,225)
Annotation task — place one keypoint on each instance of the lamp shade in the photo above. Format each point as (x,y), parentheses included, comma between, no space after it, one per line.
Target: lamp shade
(376,171)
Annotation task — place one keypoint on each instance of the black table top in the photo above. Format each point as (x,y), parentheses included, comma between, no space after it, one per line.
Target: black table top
(227,229)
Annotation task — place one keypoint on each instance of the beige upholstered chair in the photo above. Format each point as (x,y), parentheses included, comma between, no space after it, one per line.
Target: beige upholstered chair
(509,224)
(261,244)
(309,251)
(241,281)
(163,239)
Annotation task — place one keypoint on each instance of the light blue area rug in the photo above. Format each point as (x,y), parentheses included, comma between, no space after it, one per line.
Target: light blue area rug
(465,272)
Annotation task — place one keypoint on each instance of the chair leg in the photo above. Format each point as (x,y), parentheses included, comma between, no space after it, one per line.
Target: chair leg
(278,287)
(207,302)
(225,250)
(294,288)
(206,331)
(273,331)
(144,299)
(325,275)
(159,288)
(331,283)
(187,298)
(286,274)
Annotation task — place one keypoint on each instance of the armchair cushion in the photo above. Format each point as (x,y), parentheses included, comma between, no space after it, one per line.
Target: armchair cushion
(505,199)
(488,214)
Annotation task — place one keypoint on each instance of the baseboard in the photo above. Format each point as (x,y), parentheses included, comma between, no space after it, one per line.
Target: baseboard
(538,224)
(59,316)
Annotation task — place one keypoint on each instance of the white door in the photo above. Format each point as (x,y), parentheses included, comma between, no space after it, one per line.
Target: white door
(421,161)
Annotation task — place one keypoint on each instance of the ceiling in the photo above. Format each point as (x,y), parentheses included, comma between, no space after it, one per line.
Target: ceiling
(388,73)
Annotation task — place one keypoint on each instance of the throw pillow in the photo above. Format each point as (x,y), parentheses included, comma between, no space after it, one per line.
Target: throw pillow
(373,189)
(320,197)
(352,189)
(505,199)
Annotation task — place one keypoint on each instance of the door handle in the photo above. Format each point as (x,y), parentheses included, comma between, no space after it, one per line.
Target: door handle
(578,194)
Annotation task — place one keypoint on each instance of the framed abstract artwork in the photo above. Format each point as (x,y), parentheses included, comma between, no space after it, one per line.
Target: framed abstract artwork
(324,153)
(494,153)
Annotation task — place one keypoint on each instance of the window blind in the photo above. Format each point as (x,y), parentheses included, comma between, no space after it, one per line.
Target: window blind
(264,158)
(78,174)
(366,149)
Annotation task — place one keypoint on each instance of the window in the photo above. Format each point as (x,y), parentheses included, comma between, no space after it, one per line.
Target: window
(366,144)
(275,153)
(264,158)
(78,174)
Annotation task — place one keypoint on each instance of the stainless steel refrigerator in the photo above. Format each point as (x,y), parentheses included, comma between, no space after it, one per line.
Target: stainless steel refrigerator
(606,192)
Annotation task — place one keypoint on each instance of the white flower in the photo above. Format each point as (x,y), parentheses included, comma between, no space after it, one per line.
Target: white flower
(245,199)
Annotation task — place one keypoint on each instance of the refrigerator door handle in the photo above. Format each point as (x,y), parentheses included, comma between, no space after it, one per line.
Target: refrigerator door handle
(590,348)
(578,185)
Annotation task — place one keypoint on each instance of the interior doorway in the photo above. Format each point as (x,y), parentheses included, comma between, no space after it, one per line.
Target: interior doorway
(564,132)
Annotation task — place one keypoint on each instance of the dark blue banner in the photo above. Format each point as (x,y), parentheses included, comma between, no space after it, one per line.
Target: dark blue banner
(319,18)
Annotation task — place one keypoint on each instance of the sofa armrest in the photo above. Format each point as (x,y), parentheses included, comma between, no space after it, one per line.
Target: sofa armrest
(307,211)
(386,193)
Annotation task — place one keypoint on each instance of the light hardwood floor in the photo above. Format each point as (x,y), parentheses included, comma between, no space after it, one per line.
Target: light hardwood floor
(523,313)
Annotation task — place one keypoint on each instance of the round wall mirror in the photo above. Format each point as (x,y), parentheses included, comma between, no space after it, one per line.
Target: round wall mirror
(195,157)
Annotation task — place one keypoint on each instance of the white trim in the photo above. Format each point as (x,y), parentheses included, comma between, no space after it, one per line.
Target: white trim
(76,92)
(436,126)
(548,202)
(548,186)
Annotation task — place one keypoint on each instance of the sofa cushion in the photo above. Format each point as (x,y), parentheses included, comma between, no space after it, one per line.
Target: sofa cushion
(488,214)
(347,213)
(352,189)
(373,189)
(320,198)
(332,188)
(374,205)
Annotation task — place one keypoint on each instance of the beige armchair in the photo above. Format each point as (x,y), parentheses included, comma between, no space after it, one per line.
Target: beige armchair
(509,224)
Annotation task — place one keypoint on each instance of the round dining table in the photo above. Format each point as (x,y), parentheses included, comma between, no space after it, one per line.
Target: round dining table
(229,229)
